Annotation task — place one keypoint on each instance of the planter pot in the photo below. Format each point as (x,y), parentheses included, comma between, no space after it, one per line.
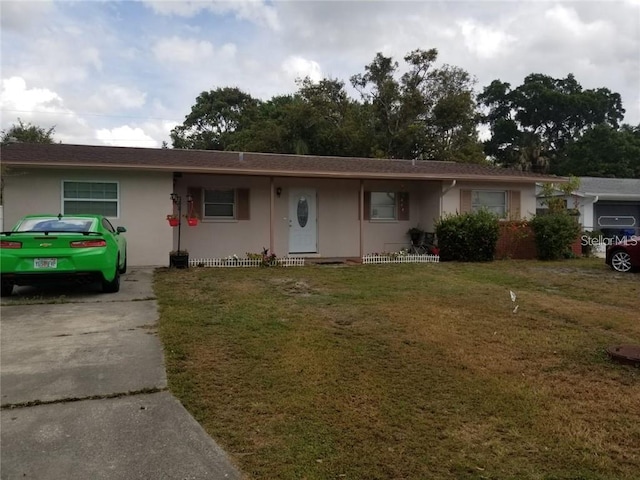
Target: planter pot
(192,222)
(179,261)
(173,221)
(416,237)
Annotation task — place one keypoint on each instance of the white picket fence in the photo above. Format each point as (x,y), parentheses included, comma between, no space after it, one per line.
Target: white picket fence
(371,259)
(244,262)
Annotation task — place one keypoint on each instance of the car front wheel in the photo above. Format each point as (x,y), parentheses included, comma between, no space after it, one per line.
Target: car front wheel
(621,261)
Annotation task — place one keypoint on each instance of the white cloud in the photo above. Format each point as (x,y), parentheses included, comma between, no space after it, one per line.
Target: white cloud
(182,50)
(255,11)
(228,51)
(126,136)
(185,8)
(53,59)
(299,67)
(113,97)
(483,41)
(17,97)
(569,21)
(81,63)
(91,56)
(23,16)
(159,130)
(41,107)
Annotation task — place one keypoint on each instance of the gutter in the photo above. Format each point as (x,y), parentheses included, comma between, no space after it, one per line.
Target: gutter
(284,173)
(615,196)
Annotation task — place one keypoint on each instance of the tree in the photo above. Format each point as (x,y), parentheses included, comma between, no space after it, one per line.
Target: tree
(427,114)
(216,116)
(284,124)
(533,124)
(22,132)
(380,93)
(452,131)
(603,151)
(319,119)
(27,133)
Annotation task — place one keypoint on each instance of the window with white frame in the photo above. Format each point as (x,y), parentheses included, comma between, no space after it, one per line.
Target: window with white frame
(383,206)
(220,203)
(492,201)
(96,198)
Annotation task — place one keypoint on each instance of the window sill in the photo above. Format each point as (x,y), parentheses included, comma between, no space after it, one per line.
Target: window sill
(219,220)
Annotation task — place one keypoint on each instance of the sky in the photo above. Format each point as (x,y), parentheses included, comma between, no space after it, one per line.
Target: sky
(126,72)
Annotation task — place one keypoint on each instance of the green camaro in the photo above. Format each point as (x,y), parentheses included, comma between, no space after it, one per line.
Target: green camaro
(53,248)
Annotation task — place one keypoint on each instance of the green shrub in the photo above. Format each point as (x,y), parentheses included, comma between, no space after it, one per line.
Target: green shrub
(554,233)
(468,237)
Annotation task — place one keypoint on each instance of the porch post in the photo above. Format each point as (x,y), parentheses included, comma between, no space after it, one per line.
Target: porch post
(272,208)
(361,216)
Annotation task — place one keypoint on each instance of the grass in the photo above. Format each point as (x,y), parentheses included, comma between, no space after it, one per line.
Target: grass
(409,371)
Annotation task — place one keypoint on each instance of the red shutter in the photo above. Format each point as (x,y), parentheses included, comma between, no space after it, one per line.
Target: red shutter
(465,201)
(402,203)
(242,206)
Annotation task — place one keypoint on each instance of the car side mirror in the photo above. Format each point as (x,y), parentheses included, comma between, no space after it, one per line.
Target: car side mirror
(121,229)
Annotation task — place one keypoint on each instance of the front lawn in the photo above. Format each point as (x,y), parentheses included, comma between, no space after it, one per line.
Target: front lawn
(409,371)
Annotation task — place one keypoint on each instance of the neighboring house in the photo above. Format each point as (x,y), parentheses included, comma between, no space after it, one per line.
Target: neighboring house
(293,205)
(609,205)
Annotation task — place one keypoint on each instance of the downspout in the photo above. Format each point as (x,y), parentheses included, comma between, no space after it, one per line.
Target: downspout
(593,213)
(453,184)
(361,216)
(272,207)
(444,192)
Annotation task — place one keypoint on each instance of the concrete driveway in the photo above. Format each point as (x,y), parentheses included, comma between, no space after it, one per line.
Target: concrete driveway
(84,392)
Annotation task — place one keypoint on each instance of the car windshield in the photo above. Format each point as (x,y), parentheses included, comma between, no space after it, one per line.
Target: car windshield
(55,224)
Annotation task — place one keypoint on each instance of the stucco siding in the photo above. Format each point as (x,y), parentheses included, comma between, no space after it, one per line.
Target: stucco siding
(338,225)
(391,236)
(430,205)
(143,205)
(221,238)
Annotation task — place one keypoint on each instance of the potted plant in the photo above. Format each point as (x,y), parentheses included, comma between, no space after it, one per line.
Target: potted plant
(192,220)
(173,219)
(179,259)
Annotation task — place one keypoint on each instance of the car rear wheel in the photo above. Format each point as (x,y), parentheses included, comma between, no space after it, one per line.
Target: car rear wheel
(621,261)
(114,285)
(7,289)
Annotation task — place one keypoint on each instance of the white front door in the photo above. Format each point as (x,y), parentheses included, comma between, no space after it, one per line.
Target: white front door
(303,233)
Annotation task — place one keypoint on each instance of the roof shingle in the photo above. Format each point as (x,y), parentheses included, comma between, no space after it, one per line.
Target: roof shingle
(244,163)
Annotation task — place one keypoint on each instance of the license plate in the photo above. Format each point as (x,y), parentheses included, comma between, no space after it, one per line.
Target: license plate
(45,263)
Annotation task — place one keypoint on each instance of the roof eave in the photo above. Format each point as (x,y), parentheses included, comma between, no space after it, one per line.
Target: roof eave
(615,196)
(294,173)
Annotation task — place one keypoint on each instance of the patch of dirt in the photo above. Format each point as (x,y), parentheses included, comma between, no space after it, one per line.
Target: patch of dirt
(569,271)
(300,288)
